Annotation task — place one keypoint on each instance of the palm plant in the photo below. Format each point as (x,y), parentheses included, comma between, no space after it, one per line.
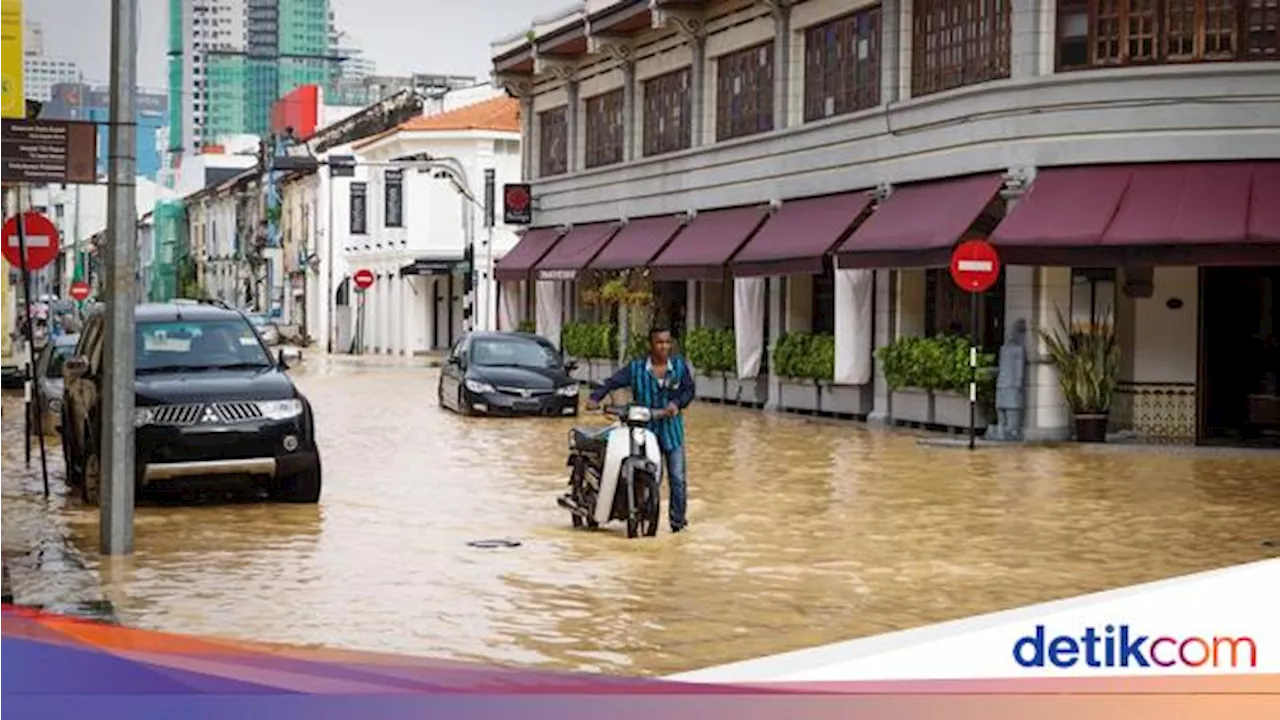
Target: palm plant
(1087,357)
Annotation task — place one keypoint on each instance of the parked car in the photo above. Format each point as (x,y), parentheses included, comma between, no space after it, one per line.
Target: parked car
(504,373)
(211,404)
(47,387)
(266,328)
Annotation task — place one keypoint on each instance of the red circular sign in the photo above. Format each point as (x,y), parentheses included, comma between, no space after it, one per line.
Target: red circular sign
(79,291)
(517,197)
(41,236)
(975,266)
(363,278)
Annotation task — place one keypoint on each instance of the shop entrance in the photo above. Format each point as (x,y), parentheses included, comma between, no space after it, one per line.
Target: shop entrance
(1240,355)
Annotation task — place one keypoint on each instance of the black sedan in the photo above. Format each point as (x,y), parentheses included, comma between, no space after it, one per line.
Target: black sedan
(500,373)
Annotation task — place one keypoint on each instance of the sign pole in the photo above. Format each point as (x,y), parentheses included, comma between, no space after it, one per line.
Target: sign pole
(973,369)
(975,267)
(31,347)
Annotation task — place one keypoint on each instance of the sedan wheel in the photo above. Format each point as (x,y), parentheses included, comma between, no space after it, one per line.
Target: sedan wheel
(462,403)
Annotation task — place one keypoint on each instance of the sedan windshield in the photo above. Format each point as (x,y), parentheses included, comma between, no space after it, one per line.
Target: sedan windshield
(513,352)
(198,345)
(257,320)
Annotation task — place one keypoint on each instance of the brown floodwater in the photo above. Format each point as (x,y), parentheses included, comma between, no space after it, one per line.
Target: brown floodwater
(802,532)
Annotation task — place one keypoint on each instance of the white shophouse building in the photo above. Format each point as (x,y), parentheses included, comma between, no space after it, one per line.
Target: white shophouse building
(808,165)
(410,227)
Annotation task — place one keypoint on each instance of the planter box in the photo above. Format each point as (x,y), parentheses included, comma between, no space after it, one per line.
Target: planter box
(583,372)
(911,405)
(710,387)
(600,370)
(753,391)
(846,399)
(797,394)
(952,409)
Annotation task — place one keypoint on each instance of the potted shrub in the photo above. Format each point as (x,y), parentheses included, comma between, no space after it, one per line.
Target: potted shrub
(929,380)
(593,346)
(711,353)
(1087,358)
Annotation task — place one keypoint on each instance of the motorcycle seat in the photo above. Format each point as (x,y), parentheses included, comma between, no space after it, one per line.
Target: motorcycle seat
(591,439)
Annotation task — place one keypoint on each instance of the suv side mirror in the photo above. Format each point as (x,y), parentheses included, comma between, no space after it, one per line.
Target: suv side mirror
(288,356)
(74,368)
(453,360)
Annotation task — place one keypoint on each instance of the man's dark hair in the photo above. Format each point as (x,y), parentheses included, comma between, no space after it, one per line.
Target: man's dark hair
(658,328)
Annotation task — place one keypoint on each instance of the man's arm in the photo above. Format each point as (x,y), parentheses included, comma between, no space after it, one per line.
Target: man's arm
(688,388)
(620,379)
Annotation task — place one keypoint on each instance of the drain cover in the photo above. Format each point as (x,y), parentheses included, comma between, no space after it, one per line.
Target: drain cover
(491,544)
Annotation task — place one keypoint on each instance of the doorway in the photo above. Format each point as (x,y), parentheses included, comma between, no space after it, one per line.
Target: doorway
(1240,356)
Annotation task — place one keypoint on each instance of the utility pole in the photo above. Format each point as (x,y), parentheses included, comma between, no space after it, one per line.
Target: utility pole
(117,460)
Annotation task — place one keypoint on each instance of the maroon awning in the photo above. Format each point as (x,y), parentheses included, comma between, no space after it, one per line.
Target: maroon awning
(637,243)
(702,250)
(797,238)
(574,251)
(1155,214)
(918,225)
(519,261)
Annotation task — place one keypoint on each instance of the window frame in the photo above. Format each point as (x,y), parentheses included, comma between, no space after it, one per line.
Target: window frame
(850,83)
(1166,34)
(754,65)
(553,127)
(944,57)
(667,124)
(605,129)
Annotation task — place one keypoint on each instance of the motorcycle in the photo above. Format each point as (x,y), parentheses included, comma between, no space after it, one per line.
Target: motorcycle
(615,472)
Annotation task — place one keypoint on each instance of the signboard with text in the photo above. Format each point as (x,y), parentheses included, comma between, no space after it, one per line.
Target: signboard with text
(14,99)
(50,151)
(517,204)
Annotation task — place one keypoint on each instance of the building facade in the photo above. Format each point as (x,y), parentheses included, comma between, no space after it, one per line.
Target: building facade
(42,72)
(806,167)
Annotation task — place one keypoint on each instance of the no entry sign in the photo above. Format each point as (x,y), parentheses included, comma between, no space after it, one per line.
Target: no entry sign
(363,278)
(975,266)
(79,291)
(42,240)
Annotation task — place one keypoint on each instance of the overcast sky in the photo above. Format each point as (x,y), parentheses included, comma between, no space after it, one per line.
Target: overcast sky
(401,36)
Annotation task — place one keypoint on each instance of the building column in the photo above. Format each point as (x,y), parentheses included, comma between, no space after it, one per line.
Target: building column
(395,319)
(698,88)
(526,137)
(573,145)
(629,110)
(903,47)
(1025,51)
(885,303)
(777,288)
(781,62)
(890,51)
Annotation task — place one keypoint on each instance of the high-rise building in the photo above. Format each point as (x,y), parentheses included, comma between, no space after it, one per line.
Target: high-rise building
(229,60)
(78,101)
(43,71)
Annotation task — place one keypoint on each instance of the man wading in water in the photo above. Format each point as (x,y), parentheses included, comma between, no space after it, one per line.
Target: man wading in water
(660,381)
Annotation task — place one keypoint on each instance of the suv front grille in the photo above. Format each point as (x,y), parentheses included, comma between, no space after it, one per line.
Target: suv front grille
(226,412)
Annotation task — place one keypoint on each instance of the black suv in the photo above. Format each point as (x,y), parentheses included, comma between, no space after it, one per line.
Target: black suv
(212,404)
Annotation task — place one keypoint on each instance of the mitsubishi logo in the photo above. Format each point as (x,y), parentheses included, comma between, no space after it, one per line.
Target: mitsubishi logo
(209,415)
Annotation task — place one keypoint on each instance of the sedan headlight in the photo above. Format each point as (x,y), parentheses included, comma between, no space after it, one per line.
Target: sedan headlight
(479,388)
(280,409)
(143,416)
(568,390)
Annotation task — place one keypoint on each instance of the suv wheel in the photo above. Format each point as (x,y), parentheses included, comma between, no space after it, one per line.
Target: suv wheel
(301,487)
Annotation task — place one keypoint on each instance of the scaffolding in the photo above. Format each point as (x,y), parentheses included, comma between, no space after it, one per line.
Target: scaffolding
(170,274)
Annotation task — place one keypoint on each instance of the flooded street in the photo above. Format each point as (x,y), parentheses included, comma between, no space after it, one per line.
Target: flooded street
(801,533)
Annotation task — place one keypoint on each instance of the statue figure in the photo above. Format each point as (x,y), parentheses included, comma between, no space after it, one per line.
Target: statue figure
(1011,400)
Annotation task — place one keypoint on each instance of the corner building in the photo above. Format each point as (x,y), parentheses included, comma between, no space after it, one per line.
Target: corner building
(808,166)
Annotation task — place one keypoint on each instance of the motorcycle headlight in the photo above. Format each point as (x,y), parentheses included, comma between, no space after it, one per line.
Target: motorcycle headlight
(143,416)
(639,414)
(479,388)
(568,390)
(280,409)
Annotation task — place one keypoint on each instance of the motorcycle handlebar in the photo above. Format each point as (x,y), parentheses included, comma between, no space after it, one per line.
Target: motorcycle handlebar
(620,411)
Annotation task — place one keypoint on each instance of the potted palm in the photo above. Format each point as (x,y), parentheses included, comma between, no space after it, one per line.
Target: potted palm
(1087,358)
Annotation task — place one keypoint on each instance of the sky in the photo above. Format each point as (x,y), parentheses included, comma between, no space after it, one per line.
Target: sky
(401,36)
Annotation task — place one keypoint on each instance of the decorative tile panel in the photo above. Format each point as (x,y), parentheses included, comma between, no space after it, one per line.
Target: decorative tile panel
(1157,412)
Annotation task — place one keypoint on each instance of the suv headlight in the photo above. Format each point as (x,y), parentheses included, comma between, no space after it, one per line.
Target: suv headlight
(479,388)
(280,409)
(639,414)
(143,416)
(568,390)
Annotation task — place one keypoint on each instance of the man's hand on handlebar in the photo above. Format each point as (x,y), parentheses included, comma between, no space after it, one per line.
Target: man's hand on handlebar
(672,409)
(592,405)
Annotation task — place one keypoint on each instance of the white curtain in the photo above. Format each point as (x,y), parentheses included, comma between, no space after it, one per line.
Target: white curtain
(748,325)
(550,299)
(853,327)
(509,311)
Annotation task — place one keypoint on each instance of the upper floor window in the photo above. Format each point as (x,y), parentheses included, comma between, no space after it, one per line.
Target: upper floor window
(744,92)
(668,116)
(604,129)
(958,42)
(553,142)
(1110,33)
(842,65)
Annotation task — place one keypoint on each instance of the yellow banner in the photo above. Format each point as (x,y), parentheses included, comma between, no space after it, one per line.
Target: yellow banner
(14,102)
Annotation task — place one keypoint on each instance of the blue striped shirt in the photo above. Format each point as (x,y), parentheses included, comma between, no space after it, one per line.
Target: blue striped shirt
(649,391)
